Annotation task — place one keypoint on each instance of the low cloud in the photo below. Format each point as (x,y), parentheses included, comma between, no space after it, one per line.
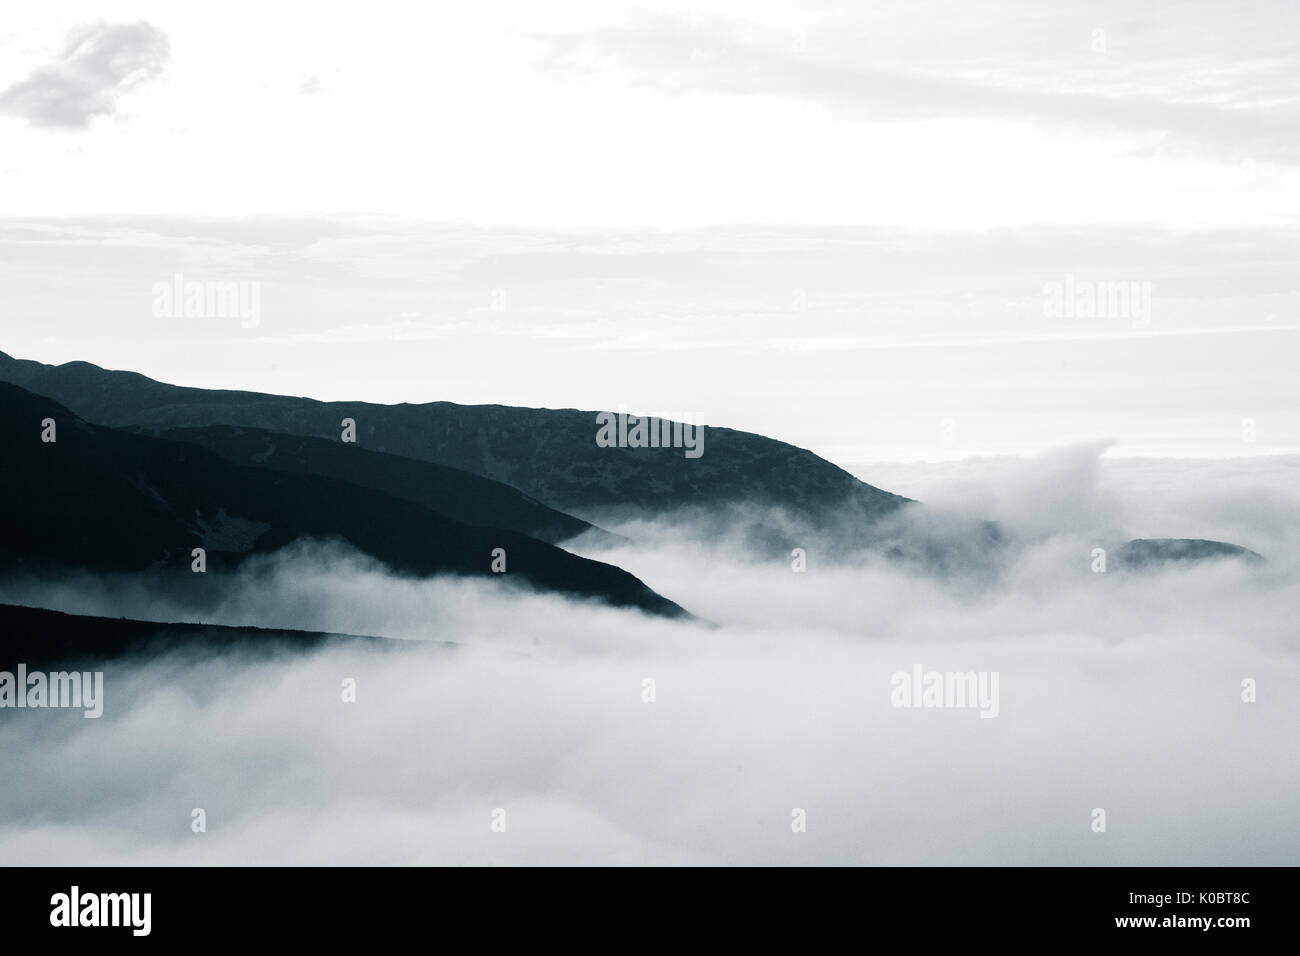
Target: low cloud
(1112,696)
(1117,691)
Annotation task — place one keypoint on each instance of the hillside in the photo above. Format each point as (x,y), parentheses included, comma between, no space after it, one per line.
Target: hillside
(109,500)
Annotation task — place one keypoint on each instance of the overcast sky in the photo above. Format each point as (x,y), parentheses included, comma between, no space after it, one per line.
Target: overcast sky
(832,223)
(672,113)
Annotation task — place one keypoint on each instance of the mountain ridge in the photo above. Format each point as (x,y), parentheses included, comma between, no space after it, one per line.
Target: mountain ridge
(457,494)
(110,500)
(41,636)
(550,455)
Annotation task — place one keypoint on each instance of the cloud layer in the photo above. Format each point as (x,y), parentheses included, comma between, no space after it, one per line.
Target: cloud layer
(1119,692)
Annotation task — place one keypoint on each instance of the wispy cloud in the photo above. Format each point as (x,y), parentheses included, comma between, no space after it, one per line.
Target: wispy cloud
(1147,76)
(100,63)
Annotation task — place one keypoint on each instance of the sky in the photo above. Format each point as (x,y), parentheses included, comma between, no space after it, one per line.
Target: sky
(831,223)
(667,114)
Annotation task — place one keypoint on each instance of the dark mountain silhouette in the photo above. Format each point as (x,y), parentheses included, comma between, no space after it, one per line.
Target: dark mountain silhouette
(460,495)
(38,638)
(109,500)
(550,455)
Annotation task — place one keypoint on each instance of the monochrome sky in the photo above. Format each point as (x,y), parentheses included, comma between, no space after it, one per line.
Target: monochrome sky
(832,223)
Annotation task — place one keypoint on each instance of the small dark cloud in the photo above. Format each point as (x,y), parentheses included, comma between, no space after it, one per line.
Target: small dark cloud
(100,63)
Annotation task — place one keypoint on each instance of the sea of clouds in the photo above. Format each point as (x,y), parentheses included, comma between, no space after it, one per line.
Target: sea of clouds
(1118,691)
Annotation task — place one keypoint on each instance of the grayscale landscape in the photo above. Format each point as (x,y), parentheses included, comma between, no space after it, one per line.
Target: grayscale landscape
(672,435)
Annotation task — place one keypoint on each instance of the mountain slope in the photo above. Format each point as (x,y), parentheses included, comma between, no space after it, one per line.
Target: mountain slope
(460,495)
(110,500)
(548,454)
(552,456)
(38,637)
